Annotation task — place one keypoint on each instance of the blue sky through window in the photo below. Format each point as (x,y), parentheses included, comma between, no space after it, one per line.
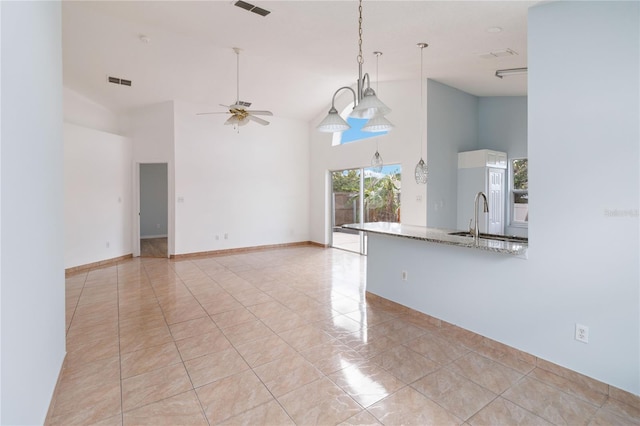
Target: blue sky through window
(355,133)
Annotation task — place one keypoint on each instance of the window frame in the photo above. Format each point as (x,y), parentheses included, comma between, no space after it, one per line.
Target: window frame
(513,192)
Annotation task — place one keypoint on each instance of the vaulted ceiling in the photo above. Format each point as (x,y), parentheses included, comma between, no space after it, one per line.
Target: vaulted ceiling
(293,59)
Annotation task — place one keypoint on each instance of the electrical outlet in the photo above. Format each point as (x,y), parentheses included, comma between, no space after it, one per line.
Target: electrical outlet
(217,237)
(226,236)
(582,333)
(404,275)
(108,244)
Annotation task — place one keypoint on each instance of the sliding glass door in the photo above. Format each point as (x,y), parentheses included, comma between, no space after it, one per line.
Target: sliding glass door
(363,195)
(346,208)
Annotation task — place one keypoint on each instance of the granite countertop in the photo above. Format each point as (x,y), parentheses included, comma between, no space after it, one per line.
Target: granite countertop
(442,236)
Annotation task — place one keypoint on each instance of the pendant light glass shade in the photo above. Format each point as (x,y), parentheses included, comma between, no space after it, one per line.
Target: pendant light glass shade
(369,106)
(421,172)
(377,124)
(333,122)
(376,162)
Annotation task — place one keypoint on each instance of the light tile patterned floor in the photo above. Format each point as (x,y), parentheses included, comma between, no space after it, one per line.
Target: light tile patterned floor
(286,336)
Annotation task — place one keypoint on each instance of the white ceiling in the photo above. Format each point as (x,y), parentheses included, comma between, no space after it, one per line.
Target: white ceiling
(293,59)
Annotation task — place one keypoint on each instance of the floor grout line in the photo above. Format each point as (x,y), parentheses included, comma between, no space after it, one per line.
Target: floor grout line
(310,274)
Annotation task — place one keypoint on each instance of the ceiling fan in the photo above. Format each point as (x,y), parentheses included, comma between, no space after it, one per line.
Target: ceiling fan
(240,115)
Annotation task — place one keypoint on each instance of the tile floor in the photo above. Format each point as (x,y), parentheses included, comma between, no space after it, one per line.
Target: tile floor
(286,336)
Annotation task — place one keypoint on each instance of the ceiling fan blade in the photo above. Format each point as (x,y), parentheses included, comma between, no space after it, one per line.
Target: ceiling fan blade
(258,120)
(257,112)
(207,113)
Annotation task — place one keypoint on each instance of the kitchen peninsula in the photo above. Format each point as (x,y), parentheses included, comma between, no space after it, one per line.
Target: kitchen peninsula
(506,245)
(449,277)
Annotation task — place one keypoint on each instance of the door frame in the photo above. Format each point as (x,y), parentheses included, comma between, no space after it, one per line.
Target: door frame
(136,208)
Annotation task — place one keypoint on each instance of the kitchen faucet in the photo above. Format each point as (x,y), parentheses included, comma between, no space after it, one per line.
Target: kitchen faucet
(475,230)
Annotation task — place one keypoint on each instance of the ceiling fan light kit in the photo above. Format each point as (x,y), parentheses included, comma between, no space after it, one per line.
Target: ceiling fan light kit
(366,103)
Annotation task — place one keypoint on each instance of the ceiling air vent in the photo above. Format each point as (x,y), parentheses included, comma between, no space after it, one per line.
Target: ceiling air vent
(498,54)
(252,8)
(244,104)
(121,81)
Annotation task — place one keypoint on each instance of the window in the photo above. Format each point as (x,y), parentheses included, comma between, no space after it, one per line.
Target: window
(354,133)
(519,192)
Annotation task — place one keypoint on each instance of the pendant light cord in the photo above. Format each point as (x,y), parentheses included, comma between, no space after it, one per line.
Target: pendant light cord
(360,57)
(422,105)
(237,50)
(421,172)
(377,77)
(238,77)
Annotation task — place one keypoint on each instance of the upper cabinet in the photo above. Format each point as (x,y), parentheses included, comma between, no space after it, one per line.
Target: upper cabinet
(482,158)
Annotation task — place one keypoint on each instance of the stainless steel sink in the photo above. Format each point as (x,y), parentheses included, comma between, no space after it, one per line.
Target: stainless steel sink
(510,238)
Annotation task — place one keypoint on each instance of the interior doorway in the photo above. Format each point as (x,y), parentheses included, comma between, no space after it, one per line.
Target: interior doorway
(154,206)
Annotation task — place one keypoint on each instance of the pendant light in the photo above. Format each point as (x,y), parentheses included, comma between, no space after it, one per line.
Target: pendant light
(376,161)
(421,172)
(366,103)
(377,124)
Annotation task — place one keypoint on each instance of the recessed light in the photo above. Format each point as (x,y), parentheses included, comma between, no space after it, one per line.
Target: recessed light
(494,29)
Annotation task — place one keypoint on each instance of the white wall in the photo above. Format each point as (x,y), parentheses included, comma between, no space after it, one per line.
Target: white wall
(402,145)
(583,265)
(583,144)
(251,185)
(502,124)
(97,195)
(151,129)
(82,111)
(452,127)
(31,216)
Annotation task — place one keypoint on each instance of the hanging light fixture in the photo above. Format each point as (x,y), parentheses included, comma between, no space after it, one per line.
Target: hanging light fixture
(376,162)
(377,124)
(366,103)
(421,172)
